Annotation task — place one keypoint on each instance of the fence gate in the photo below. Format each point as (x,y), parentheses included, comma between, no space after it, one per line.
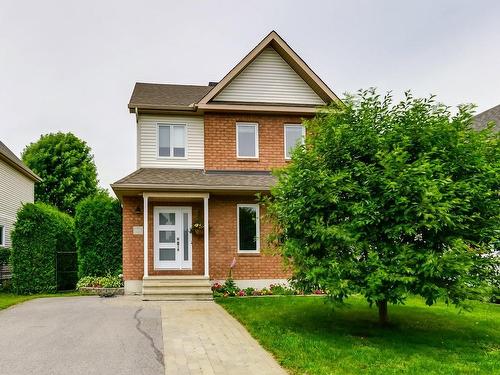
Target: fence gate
(66,270)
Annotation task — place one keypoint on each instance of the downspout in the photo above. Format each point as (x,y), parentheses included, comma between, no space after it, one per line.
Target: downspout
(137,139)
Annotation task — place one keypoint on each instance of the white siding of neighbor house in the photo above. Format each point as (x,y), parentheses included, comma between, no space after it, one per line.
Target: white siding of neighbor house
(15,189)
(147,149)
(269,79)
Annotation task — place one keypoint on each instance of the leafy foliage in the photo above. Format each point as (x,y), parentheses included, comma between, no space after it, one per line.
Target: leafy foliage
(108,281)
(98,227)
(4,255)
(66,165)
(40,232)
(387,200)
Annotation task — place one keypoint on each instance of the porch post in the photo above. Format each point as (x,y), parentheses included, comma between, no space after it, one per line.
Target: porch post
(205,233)
(145,234)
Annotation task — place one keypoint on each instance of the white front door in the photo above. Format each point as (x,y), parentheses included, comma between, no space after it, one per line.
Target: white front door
(172,238)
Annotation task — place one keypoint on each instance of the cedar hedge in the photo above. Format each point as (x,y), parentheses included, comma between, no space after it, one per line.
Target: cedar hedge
(40,233)
(98,227)
(4,255)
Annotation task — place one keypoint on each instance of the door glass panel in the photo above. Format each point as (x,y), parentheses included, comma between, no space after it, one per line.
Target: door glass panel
(167,218)
(167,254)
(167,236)
(185,230)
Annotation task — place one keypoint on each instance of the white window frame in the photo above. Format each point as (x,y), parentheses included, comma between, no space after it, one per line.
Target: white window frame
(171,125)
(284,136)
(4,240)
(256,126)
(257,232)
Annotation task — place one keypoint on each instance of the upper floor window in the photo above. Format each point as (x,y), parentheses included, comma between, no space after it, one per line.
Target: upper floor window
(294,135)
(172,140)
(247,140)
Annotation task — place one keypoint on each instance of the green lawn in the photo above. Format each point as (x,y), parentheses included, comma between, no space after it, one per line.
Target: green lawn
(308,337)
(9,299)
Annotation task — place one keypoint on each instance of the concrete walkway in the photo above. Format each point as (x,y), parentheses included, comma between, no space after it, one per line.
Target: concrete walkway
(202,338)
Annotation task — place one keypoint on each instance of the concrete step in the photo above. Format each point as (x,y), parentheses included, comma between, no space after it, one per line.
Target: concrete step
(176,277)
(177,297)
(176,288)
(172,291)
(171,283)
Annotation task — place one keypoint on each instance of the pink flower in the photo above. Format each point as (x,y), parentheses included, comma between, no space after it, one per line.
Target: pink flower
(241,293)
(233,263)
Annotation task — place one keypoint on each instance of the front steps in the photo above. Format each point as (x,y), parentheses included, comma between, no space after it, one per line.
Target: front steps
(176,288)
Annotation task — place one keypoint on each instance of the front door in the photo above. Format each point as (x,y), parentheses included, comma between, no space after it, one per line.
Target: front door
(172,238)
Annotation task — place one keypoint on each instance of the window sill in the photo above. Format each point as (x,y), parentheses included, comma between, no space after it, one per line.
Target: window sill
(249,254)
(247,159)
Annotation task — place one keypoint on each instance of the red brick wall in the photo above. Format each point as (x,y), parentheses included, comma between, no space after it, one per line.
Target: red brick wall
(223,242)
(133,251)
(220,141)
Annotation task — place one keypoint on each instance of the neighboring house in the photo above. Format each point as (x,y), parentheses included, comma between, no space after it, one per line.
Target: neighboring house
(493,114)
(17,186)
(203,152)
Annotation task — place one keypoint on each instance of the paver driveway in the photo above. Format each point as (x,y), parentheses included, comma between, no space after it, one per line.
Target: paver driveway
(81,335)
(202,338)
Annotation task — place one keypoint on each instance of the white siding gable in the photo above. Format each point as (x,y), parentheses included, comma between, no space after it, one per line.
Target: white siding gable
(15,189)
(147,142)
(269,79)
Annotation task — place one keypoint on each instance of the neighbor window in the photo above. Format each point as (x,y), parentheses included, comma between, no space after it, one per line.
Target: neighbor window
(2,235)
(172,141)
(248,228)
(294,135)
(247,140)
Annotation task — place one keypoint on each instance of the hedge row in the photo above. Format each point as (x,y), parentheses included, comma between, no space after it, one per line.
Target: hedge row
(98,229)
(40,232)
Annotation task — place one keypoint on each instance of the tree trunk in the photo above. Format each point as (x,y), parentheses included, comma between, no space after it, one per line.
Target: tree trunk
(383,317)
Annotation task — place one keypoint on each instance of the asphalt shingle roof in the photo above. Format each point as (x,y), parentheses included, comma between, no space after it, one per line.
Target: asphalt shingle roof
(158,96)
(169,178)
(7,155)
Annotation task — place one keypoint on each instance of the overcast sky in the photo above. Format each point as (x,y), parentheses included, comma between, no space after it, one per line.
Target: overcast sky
(71,65)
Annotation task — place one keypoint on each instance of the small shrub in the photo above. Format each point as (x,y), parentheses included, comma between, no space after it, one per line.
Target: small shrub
(40,232)
(281,290)
(230,287)
(98,230)
(249,291)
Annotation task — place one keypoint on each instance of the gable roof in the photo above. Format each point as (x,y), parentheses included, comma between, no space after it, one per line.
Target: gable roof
(481,120)
(166,96)
(10,158)
(283,49)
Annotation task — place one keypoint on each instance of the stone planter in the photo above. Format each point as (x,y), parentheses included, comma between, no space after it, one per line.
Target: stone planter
(102,292)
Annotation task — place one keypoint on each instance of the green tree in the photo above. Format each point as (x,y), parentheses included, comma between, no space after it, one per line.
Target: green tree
(66,165)
(98,230)
(387,200)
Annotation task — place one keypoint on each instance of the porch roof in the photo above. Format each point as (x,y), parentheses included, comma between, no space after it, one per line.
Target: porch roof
(165,179)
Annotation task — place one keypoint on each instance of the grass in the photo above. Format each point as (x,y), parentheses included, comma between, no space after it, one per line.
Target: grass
(9,299)
(307,336)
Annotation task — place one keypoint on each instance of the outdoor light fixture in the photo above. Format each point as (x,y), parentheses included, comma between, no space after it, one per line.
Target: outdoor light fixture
(137,210)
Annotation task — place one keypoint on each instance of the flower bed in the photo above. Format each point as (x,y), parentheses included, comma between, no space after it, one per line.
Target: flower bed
(229,289)
(104,286)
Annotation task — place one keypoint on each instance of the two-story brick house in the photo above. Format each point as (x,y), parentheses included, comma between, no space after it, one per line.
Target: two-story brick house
(203,152)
